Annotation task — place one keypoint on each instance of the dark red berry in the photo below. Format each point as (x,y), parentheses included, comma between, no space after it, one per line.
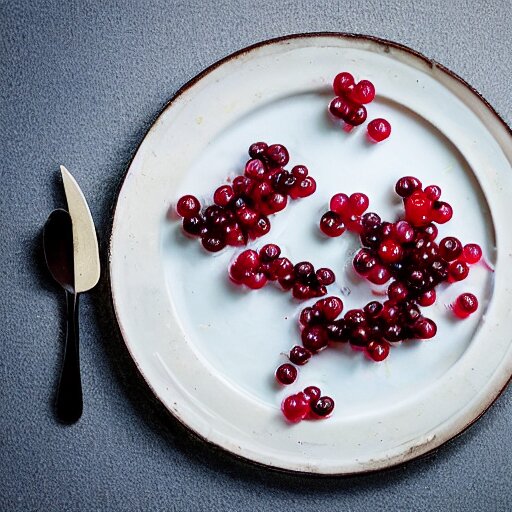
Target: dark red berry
(403,232)
(397,291)
(424,328)
(255,169)
(299,171)
(257,150)
(323,407)
(277,154)
(364,262)
(330,307)
(337,331)
(427,298)
(373,309)
(188,206)
(331,224)
(370,221)
(262,227)
(314,338)
(379,129)
(300,355)
(378,351)
(193,225)
(325,276)
(465,305)
(312,394)
(269,252)
(234,235)
(213,243)
(458,270)
(286,374)
(433,192)
(407,185)
(310,316)
(306,187)
(450,248)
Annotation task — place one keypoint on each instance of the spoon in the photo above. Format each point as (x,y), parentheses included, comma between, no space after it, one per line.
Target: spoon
(58,253)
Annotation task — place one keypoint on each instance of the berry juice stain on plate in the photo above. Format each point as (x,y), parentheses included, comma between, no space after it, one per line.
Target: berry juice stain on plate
(381,191)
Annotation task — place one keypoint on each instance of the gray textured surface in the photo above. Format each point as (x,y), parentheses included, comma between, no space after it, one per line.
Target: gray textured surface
(80,83)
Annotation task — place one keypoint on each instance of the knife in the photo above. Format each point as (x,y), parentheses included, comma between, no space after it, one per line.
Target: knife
(86,266)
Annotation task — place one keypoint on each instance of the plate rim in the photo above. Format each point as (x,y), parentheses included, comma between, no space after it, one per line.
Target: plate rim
(386,43)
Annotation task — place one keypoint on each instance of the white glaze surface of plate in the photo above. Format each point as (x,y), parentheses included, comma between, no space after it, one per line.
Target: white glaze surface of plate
(208,349)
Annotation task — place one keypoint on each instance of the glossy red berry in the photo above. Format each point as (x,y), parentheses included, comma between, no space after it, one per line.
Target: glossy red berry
(331,224)
(358,203)
(379,275)
(433,192)
(286,374)
(269,253)
(300,355)
(418,209)
(323,407)
(213,243)
(339,203)
(325,276)
(277,154)
(390,251)
(403,232)
(424,328)
(441,212)
(330,307)
(188,206)
(458,270)
(343,83)
(427,298)
(312,394)
(450,248)
(256,281)
(295,407)
(472,253)
(465,305)
(314,338)
(363,92)
(193,225)
(378,351)
(234,235)
(397,291)
(257,150)
(407,185)
(379,129)
(306,187)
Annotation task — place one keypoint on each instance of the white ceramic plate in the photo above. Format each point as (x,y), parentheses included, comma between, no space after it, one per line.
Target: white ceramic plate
(208,349)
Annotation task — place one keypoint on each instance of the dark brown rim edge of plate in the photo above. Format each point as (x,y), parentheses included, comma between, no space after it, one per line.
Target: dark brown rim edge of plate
(340,35)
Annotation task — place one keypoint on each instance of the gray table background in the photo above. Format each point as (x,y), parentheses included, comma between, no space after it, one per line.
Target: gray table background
(80,83)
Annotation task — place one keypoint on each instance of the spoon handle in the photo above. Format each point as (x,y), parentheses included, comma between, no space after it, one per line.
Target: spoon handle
(69,396)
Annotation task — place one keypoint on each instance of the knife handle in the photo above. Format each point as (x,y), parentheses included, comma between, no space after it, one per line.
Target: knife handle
(69,395)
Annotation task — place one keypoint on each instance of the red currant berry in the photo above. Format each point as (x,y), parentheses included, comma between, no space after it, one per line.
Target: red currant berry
(472,253)
(286,374)
(295,408)
(465,305)
(331,224)
(379,129)
(343,83)
(299,355)
(188,206)
(378,351)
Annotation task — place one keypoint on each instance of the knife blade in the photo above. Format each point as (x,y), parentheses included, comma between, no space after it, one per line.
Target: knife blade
(85,243)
